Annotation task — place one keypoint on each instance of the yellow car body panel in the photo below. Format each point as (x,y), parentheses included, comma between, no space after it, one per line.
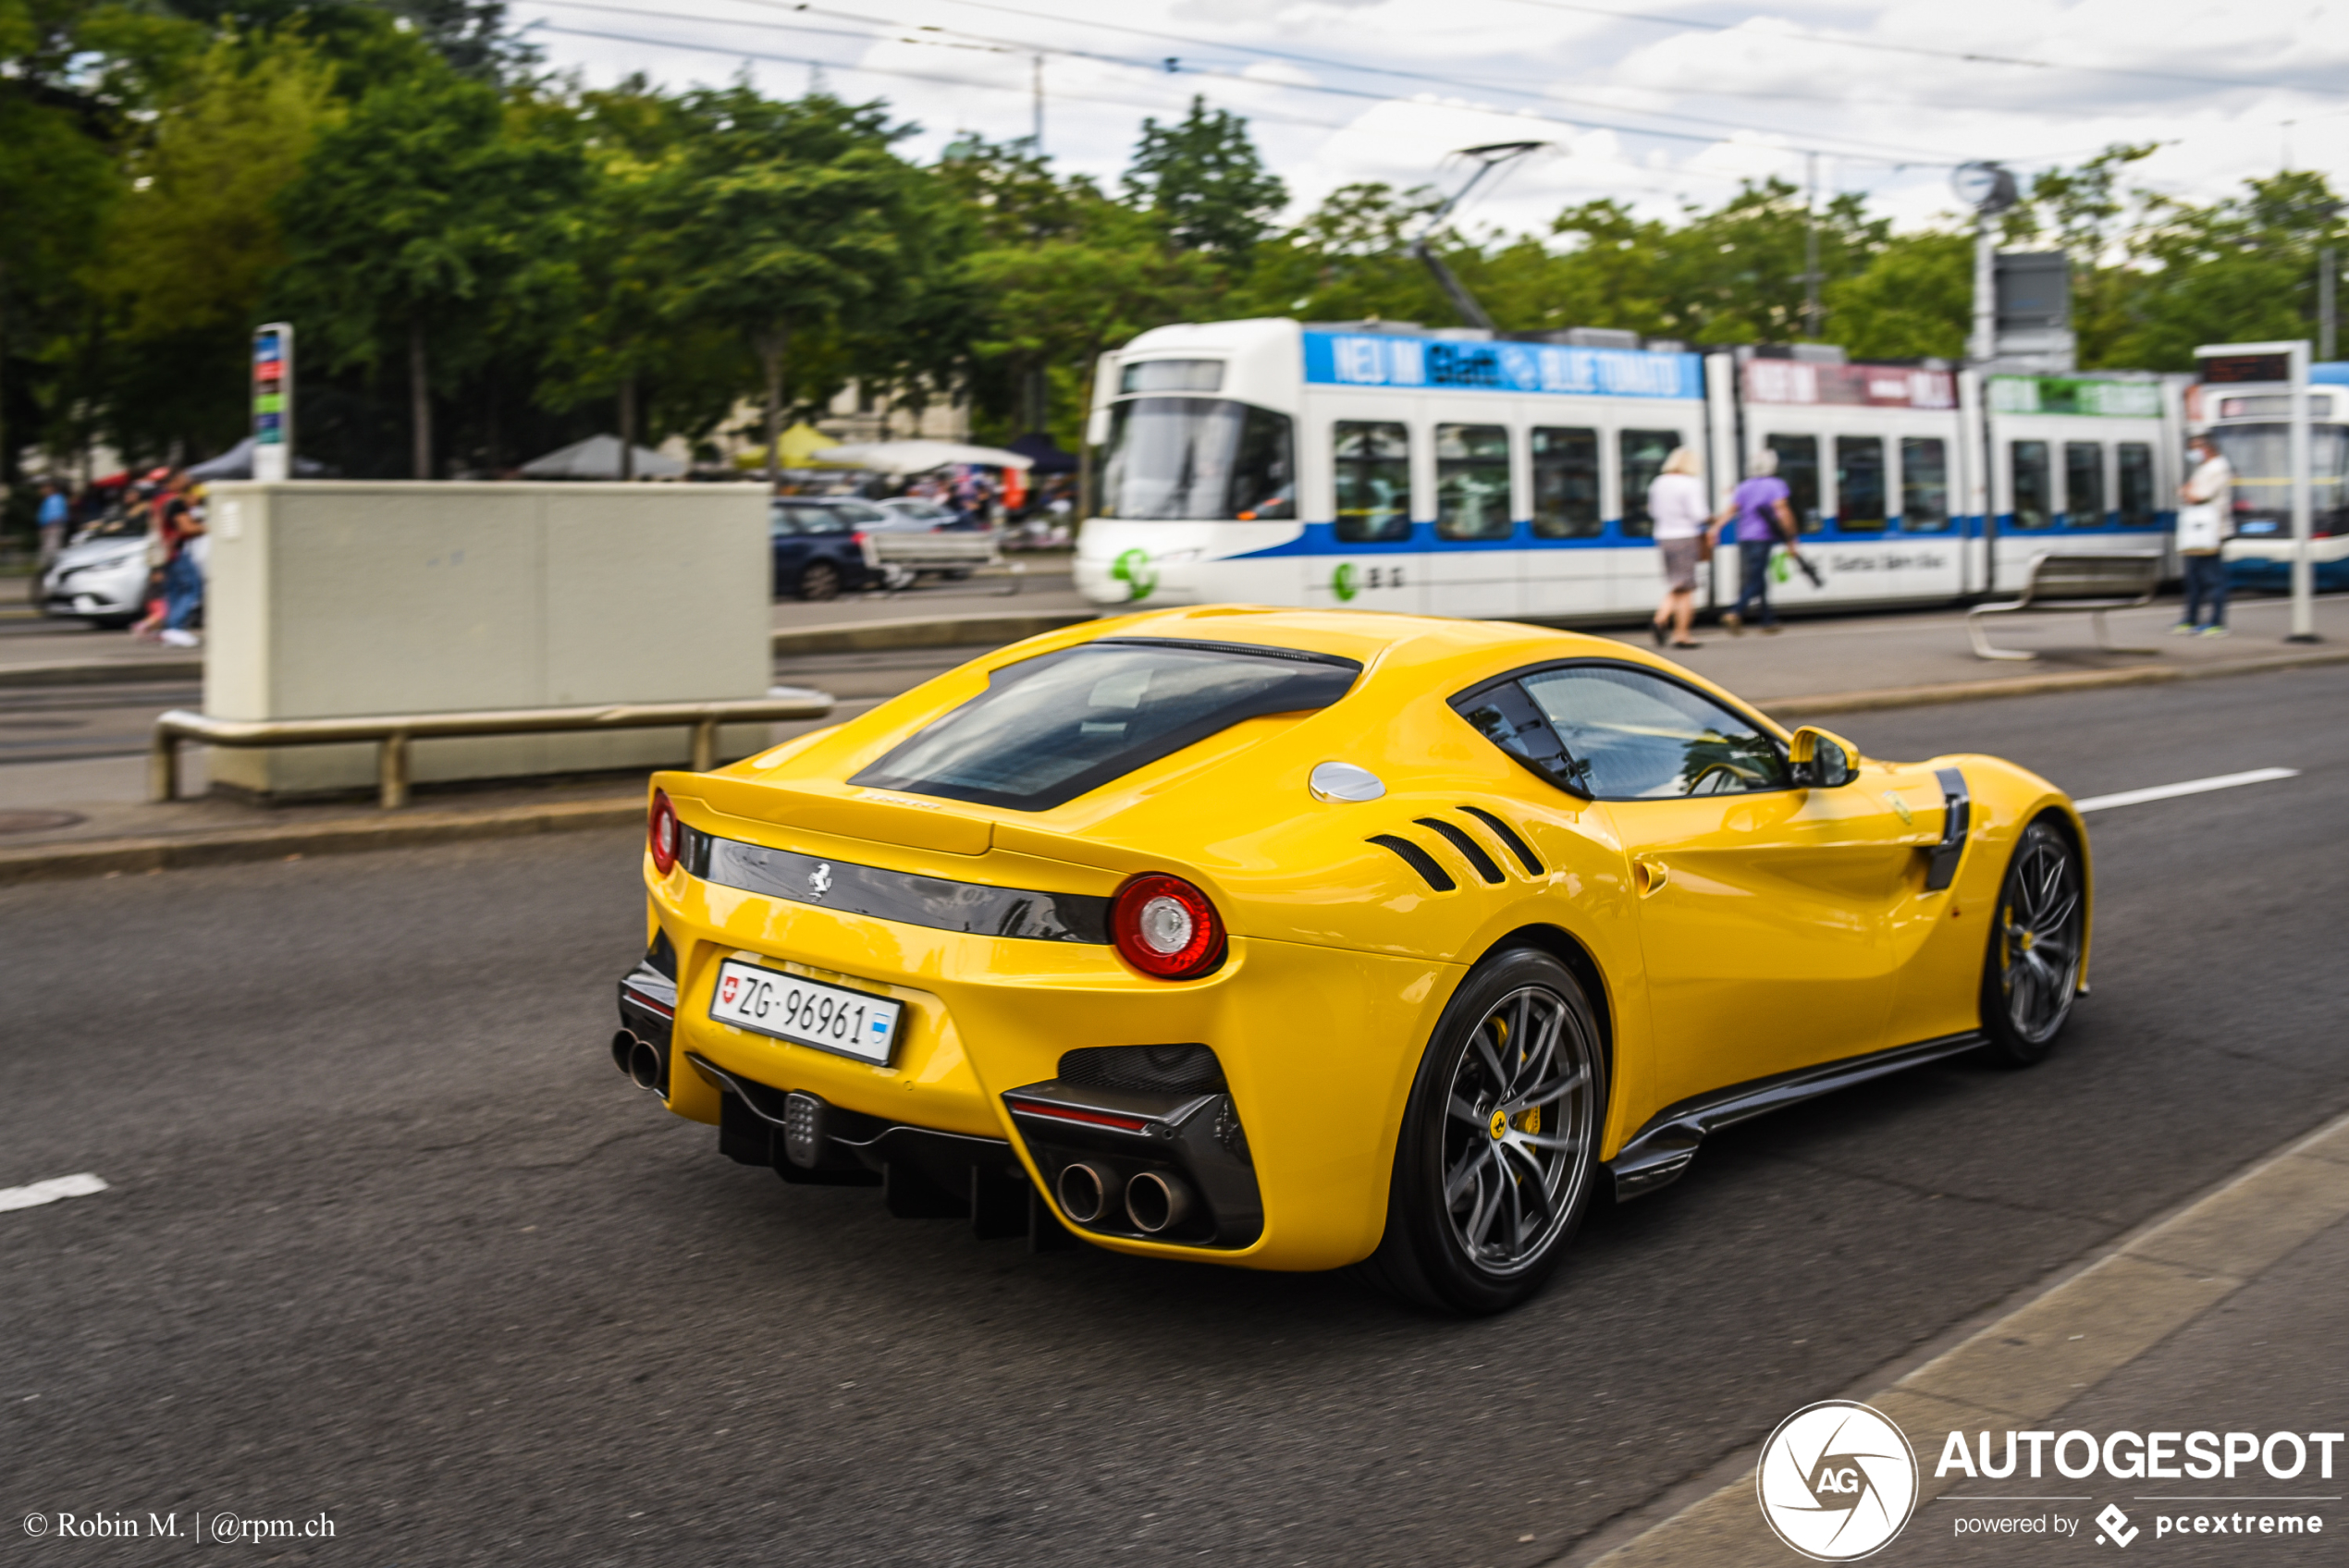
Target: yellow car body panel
(1726,937)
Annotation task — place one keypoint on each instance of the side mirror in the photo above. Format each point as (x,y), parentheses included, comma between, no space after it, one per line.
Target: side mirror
(1821,761)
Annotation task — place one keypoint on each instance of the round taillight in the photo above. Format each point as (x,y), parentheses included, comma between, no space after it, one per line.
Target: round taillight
(661,833)
(1164,926)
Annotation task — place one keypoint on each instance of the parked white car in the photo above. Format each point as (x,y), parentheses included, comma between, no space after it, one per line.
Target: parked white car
(100,577)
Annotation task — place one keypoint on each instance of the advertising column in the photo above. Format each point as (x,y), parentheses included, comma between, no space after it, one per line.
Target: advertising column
(273,403)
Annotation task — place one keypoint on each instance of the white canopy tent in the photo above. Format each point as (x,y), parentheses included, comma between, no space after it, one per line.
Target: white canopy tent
(916,457)
(598,457)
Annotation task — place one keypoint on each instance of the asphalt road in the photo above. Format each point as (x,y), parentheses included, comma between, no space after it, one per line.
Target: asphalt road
(387,1239)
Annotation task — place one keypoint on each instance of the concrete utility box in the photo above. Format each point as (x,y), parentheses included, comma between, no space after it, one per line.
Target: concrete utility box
(329,598)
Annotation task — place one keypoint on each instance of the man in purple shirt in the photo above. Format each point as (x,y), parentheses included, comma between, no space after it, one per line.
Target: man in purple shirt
(1762,517)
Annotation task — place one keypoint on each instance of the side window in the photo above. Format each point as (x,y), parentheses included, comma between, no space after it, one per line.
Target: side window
(1859,483)
(2138,506)
(1637,736)
(1643,453)
(1924,485)
(2033,506)
(1265,475)
(1471,482)
(783,522)
(2084,483)
(1566,484)
(1798,466)
(1373,462)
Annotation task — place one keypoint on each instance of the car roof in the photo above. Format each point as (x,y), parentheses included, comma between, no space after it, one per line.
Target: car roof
(1447,654)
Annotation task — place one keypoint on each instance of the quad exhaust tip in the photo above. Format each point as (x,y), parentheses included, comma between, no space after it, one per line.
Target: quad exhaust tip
(1085,1191)
(638,1058)
(1157,1201)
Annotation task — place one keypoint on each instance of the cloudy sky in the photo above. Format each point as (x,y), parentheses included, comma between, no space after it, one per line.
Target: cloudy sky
(1652,106)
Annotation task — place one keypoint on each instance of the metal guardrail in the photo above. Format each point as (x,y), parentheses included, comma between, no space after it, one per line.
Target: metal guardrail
(393,732)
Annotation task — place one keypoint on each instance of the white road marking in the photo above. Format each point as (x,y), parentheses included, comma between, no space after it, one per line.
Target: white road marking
(55,1187)
(2191,787)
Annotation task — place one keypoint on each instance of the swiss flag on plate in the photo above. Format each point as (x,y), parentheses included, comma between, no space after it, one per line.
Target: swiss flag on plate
(726,990)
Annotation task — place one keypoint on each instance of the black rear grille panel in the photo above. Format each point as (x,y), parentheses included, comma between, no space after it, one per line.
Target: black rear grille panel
(1510,836)
(1418,859)
(1472,851)
(1187,1069)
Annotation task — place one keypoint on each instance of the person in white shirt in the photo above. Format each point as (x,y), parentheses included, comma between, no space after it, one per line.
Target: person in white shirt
(1676,503)
(2204,524)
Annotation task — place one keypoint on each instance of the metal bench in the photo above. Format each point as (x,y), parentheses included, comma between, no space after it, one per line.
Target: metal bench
(2056,581)
(392,733)
(942,550)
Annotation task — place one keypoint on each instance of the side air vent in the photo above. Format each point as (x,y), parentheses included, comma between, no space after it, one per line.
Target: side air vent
(1458,838)
(1418,859)
(1510,836)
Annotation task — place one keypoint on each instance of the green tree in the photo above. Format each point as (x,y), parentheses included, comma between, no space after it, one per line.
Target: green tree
(192,247)
(784,220)
(1204,181)
(1915,298)
(412,226)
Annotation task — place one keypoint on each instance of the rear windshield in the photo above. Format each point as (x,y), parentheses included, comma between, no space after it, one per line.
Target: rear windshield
(1050,728)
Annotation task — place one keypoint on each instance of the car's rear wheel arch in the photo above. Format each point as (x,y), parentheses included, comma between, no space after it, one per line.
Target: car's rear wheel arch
(1565,946)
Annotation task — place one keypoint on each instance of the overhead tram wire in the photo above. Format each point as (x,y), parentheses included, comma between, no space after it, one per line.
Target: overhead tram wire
(1896,156)
(1539,94)
(852,67)
(1691,24)
(1174,64)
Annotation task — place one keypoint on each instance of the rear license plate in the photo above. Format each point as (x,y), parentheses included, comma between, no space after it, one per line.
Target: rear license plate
(805,1013)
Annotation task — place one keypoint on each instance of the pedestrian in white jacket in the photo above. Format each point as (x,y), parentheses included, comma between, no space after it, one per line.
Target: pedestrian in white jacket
(2204,524)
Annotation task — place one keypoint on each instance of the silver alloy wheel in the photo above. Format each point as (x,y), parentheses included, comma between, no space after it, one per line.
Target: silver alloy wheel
(2041,916)
(1522,1105)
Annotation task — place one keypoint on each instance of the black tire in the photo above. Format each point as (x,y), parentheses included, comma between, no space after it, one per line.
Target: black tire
(1476,1220)
(2030,974)
(819,580)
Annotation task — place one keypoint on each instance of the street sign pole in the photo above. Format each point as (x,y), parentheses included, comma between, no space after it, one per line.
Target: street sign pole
(273,402)
(2235,365)
(2303,569)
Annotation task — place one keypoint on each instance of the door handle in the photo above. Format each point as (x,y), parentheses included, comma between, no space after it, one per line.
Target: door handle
(1650,875)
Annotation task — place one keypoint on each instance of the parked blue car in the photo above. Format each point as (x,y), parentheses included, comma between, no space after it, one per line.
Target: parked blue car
(820,547)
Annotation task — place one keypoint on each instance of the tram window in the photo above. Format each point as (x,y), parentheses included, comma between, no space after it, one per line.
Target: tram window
(1859,483)
(1198,458)
(1798,466)
(2137,506)
(1172,375)
(1373,462)
(2084,483)
(1264,474)
(1924,485)
(2031,505)
(1472,482)
(1643,453)
(1565,483)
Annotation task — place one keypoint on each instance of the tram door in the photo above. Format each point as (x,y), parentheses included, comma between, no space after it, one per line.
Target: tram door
(1373,448)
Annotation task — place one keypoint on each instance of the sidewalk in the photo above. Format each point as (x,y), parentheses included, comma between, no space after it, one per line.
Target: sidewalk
(2225,1317)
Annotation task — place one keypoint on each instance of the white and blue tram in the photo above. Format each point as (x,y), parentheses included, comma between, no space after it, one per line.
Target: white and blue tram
(2249,420)
(1272,461)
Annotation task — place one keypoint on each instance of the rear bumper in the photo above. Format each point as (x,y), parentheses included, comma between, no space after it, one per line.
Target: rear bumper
(1316,1046)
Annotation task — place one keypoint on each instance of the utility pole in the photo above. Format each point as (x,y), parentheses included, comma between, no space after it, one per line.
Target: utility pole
(1037,135)
(1811,245)
(2327,313)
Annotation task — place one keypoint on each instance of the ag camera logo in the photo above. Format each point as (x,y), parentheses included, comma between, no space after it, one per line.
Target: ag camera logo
(1838,1480)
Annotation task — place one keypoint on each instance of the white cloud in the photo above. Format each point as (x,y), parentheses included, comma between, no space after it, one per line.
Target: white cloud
(1742,102)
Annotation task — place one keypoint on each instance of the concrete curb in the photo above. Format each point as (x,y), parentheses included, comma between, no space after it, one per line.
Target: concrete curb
(2051,1350)
(2039,685)
(927,632)
(336,836)
(108,674)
